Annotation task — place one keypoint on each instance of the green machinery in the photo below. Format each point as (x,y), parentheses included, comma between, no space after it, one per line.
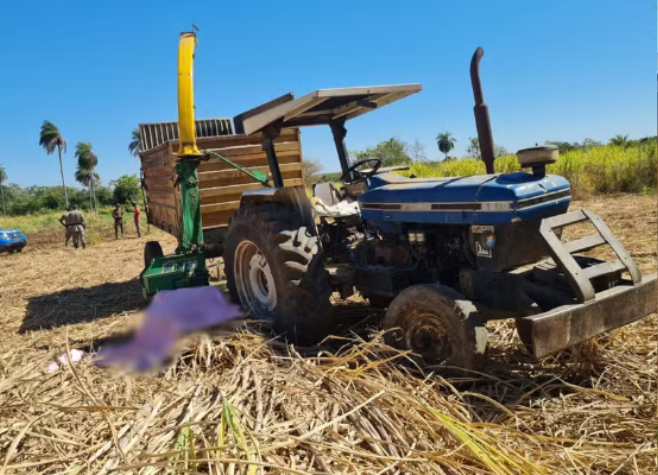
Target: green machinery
(187,266)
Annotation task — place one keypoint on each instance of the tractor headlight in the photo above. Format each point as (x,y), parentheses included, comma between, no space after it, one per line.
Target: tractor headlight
(483,240)
(488,240)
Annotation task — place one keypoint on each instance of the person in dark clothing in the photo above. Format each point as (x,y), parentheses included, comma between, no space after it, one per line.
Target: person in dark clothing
(117,214)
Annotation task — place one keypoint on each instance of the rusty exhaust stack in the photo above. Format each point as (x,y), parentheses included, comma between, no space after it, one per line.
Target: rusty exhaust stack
(481,112)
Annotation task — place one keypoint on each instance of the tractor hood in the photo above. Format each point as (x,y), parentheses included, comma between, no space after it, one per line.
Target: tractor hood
(485,199)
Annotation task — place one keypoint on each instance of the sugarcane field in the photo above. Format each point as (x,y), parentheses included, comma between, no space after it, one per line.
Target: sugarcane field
(211,263)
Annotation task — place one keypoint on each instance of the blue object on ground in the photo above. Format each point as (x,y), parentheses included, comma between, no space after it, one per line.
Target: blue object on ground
(12,240)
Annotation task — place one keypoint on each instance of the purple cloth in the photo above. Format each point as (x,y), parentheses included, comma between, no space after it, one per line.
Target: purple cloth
(172,314)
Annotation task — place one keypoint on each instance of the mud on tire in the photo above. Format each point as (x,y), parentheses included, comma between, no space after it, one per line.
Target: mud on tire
(275,269)
(439,324)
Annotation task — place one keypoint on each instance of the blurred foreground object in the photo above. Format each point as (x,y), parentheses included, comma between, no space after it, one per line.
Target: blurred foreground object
(171,315)
(73,357)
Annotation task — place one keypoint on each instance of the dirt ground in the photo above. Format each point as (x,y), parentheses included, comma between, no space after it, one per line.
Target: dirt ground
(236,397)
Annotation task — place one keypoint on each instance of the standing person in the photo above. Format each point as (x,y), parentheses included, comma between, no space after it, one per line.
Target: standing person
(74,221)
(64,220)
(117,214)
(78,225)
(138,213)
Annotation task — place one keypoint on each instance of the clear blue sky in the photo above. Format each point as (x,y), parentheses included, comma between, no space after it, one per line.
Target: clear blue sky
(553,70)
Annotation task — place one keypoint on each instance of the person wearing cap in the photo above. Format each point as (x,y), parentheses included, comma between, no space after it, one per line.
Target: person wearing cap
(137,212)
(74,222)
(117,214)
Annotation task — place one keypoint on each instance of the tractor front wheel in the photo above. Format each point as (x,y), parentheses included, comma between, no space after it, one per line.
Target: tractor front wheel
(275,269)
(438,324)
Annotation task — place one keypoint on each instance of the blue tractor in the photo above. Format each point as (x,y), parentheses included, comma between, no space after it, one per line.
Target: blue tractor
(442,255)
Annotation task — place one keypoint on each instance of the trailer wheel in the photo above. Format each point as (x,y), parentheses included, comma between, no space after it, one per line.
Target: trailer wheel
(438,324)
(152,249)
(275,269)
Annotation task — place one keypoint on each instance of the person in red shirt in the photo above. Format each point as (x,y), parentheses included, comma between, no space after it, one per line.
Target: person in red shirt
(138,213)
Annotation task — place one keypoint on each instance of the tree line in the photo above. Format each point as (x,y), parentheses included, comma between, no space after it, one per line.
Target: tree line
(396,152)
(16,200)
(393,152)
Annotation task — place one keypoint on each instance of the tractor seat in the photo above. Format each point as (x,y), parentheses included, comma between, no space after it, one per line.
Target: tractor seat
(328,202)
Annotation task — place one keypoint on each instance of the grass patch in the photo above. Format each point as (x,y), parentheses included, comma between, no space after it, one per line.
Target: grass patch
(599,170)
(49,222)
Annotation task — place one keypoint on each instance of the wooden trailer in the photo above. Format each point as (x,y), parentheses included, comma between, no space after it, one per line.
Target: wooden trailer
(221,185)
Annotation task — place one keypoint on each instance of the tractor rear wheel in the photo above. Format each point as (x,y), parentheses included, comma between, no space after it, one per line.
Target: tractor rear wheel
(438,324)
(152,249)
(275,269)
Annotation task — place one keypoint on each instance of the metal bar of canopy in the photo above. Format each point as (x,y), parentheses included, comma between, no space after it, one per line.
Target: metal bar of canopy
(298,108)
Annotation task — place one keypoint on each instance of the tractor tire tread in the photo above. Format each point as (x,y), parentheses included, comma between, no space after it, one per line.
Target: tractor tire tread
(302,280)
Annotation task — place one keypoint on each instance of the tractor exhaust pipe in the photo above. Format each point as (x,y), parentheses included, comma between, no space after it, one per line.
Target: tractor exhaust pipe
(481,111)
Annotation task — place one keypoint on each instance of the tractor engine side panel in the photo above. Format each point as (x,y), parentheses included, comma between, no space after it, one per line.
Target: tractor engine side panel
(515,244)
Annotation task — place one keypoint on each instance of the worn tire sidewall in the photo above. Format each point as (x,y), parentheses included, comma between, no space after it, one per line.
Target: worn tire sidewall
(296,315)
(458,316)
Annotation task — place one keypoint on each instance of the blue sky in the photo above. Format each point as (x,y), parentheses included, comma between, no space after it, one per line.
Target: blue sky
(553,70)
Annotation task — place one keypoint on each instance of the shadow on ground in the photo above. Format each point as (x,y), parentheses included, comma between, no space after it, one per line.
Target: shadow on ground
(508,378)
(81,305)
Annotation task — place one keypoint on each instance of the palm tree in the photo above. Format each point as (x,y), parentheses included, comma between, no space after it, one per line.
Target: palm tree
(620,141)
(135,145)
(50,139)
(90,180)
(87,161)
(3,178)
(446,142)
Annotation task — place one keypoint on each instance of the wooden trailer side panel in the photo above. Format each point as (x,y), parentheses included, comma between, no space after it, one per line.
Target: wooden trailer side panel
(221,185)
(158,177)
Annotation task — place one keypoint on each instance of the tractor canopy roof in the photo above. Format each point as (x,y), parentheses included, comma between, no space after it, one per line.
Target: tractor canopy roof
(322,106)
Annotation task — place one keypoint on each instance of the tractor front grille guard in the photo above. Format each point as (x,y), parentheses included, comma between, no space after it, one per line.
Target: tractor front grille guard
(562,253)
(598,312)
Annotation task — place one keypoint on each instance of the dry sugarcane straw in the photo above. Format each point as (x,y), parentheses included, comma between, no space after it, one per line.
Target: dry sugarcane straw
(238,402)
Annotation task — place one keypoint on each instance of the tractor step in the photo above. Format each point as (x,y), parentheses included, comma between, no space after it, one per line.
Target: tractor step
(580,278)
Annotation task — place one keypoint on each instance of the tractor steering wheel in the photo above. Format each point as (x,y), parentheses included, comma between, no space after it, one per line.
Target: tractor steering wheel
(353,176)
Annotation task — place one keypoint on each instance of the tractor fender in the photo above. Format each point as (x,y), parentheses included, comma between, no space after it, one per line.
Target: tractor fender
(293,196)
